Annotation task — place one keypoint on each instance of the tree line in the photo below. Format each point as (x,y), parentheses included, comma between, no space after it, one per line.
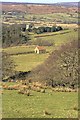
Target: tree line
(16,34)
(40,30)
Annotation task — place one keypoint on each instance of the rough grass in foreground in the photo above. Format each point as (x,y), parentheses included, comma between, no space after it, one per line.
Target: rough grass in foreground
(58,104)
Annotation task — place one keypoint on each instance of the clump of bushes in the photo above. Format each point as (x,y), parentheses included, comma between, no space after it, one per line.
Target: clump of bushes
(26,92)
(63,89)
(43,43)
(38,87)
(40,30)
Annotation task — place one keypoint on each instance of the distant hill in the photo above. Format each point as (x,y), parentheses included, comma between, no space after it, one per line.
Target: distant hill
(40,8)
(68,4)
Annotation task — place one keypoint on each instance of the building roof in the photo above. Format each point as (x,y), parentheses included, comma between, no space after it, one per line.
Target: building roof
(40,48)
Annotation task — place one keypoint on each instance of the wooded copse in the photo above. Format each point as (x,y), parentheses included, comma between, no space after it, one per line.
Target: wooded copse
(40,30)
(12,35)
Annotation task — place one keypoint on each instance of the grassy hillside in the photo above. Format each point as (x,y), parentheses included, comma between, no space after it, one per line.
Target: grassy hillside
(24,56)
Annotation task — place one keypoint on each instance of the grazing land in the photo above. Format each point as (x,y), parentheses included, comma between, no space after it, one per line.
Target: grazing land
(58,104)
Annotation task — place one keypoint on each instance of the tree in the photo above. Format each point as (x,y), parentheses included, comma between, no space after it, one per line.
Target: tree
(8,67)
(40,30)
(53,29)
(58,28)
(47,29)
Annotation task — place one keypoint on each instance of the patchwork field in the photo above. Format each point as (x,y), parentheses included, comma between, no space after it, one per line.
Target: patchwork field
(54,17)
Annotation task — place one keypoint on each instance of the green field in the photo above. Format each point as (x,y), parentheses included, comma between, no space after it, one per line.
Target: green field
(58,104)
(28,62)
(55,17)
(17,50)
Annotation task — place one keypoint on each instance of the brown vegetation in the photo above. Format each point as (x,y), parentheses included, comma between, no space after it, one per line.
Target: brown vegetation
(38,9)
(63,89)
(26,92)
(46,112)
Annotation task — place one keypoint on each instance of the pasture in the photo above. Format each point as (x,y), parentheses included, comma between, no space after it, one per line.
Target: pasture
(27,62)
(24,57)
(57,104)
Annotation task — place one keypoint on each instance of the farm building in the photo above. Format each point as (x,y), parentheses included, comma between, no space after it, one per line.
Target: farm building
(40,49)
(23,27)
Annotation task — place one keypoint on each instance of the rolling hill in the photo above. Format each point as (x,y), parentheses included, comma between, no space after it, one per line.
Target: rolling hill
(40,8)
(68,4)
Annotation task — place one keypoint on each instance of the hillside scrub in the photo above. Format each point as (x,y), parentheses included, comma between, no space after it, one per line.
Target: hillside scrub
(60,68)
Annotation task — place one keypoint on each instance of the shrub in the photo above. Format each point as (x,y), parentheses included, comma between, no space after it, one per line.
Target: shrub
(43,43)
